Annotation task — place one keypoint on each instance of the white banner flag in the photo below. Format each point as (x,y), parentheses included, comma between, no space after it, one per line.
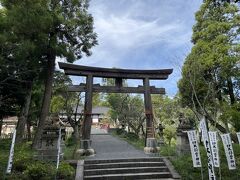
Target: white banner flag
(206,143)
(10,159)
(227,143)
(238,136)
(192,137)
(214,148)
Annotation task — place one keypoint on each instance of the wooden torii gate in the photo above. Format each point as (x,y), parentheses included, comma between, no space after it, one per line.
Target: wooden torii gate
(118,75)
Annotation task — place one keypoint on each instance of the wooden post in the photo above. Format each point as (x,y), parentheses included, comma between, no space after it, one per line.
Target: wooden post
(151,143)
(119,82)
(87,112)
(148,109)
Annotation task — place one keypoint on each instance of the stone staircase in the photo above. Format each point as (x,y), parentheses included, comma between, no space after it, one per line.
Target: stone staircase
(138,168)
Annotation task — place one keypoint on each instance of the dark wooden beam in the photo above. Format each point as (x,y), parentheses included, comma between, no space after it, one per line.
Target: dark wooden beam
(113,89)
(78,70)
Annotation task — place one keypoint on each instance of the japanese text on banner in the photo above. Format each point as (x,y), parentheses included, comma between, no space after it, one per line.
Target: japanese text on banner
(227,144)
(206,143)
(214,148)
(194,148)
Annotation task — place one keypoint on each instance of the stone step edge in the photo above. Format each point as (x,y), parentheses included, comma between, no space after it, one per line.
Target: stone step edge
(128,174)
(147,159)
(121,163)
(127,168)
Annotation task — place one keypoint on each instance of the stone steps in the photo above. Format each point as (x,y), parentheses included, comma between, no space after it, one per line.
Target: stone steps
(119,169)
(124,170)
(145,175)
(122,165)
(157,159)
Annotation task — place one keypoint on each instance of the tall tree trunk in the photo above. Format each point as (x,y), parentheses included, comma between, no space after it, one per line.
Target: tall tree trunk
(230,90)
(29,137)
(46,98)
(1,123)
(76,133)
(23,114)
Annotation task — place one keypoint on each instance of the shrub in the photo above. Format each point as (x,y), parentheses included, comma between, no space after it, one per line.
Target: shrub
(40,171)
(70,141)
(132,136)
(168,150)
(120,131)
(65,171)
(20,163)
(16,176)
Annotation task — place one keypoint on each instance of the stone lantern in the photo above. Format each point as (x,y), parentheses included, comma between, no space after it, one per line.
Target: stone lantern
(160,133)
(48,145)
(183,146)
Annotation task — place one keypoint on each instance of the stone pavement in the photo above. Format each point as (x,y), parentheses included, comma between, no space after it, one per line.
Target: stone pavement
(109,147)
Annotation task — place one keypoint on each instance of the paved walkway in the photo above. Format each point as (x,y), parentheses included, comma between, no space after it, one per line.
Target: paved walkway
(109,147)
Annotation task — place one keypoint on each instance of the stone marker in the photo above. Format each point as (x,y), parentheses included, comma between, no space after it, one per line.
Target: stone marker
(48,145)
(183,146)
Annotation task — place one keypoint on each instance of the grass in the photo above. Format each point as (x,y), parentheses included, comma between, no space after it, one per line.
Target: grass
(20,151)
(23,154)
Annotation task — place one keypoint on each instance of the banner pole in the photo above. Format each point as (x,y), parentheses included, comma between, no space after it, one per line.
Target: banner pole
(202,172)
(11,153)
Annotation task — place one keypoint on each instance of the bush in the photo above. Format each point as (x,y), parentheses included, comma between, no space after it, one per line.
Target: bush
(40,171)
(16,176)
(168,150)
(132,136)
(21,164)
(120,131)
(70,141)
(65,171)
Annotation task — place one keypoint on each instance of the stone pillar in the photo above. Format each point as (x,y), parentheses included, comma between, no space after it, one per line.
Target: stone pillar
(183,146)
(85,143)
(151,143)
(48,145)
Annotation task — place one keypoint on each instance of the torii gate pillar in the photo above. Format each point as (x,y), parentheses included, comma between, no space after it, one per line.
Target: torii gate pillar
(151,143)
(87,121)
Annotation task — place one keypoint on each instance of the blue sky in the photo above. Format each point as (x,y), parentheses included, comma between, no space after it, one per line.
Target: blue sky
(143,34)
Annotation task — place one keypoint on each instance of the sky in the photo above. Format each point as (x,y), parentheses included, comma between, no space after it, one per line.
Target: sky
(142,34)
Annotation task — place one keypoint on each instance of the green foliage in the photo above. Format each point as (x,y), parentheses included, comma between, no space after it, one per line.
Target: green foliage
(22,156)
(169,133)
(40,170)
(62,100)
(210,74)
(168,150)
(131,136)
(166,112)
(120,131)
(189,172)
(65,171)
(70,141)
(126,110)
(57,104)
(26,167)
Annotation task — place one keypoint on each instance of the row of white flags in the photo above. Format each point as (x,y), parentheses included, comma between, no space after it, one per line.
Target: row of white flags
(211,146)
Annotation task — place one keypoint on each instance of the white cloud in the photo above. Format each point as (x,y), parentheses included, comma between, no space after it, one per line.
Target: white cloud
(144,34)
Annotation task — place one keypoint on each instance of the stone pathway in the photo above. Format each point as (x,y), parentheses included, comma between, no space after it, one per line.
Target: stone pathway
(109,147)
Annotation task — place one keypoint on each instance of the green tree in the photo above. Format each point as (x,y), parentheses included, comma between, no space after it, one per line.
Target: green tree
(19,57)
(70,35)
(210,74)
